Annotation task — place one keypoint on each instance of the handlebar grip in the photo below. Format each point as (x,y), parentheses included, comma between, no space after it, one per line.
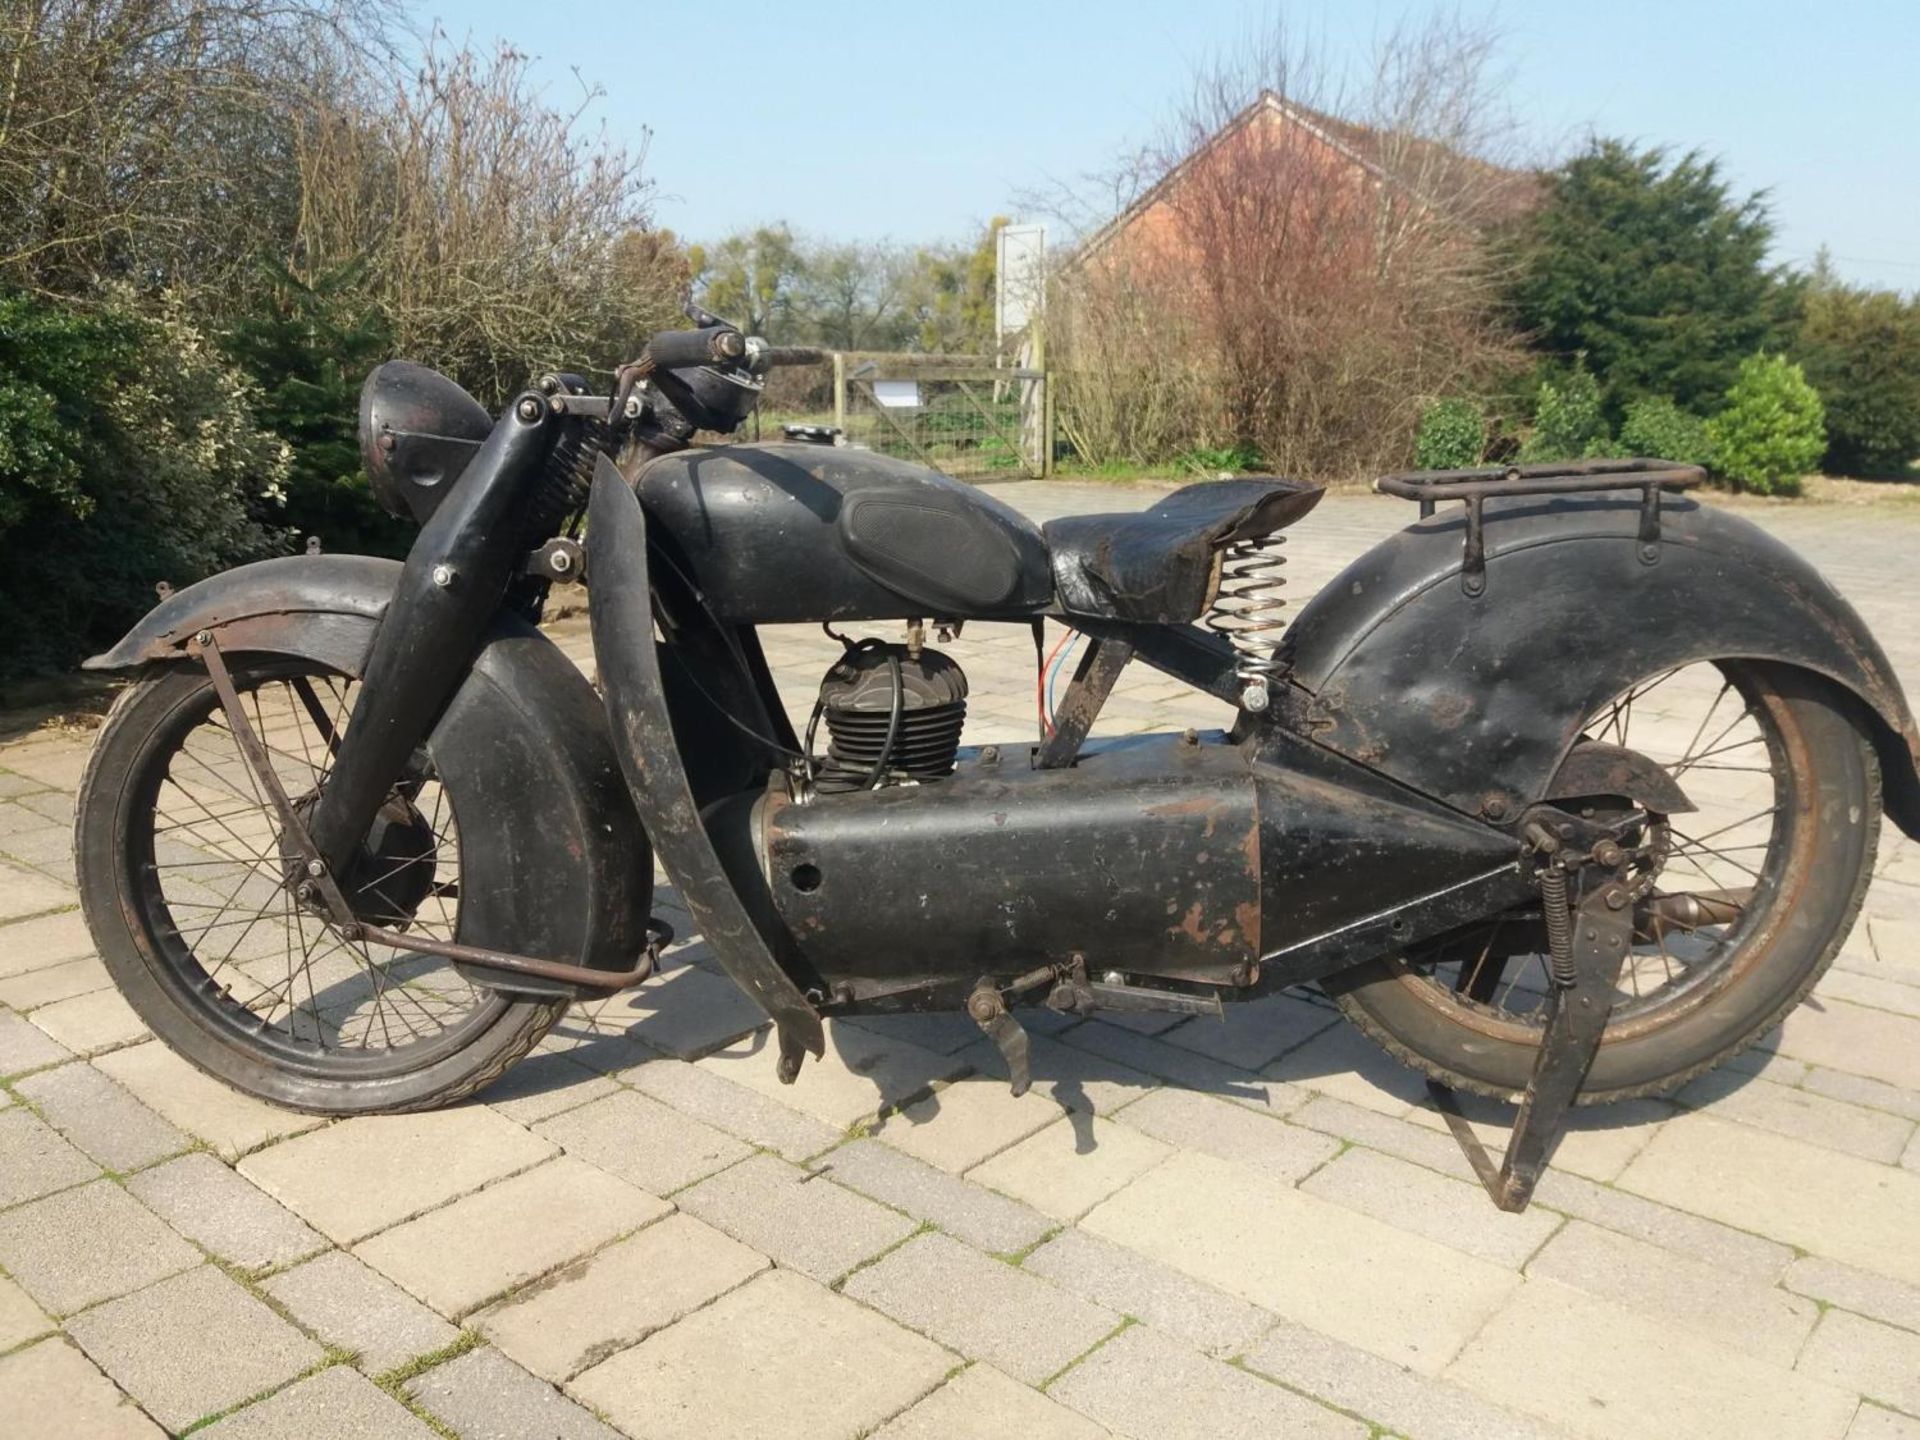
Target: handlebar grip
(794,355)
(680,349)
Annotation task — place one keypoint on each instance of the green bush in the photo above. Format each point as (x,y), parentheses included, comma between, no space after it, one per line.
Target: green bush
(1568,421)
(308,346)
(1659,429)
(128,455)
(49,361)
(1773,429)
(1452,436)
(1861,351)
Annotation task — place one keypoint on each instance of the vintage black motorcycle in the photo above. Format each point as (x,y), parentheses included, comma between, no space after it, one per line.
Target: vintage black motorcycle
(1565,793)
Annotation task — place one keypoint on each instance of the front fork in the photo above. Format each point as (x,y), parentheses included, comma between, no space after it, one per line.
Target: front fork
(452,584)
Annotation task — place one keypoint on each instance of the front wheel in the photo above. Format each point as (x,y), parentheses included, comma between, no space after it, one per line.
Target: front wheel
(192,898)
(1778,856)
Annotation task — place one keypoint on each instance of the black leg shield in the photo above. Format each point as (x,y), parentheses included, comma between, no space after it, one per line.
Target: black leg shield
(636,701)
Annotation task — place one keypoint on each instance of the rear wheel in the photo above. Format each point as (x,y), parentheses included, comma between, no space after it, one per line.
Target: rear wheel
(192,897)
(1740,905)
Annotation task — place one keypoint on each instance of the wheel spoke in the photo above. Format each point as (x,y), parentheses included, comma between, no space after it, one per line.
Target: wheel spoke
(310,702)
(209,867)
(1688,761)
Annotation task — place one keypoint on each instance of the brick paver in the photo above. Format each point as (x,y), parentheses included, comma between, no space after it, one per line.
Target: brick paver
(102,1118)
(225,1215)
(337,1401)
(780,1357)
(978,1306)
(193,1346)
(618,1297)
(53,1392)
(504,1237)
(1187,1228)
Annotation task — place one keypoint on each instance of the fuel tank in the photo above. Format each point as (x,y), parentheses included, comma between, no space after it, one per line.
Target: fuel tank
(794,532)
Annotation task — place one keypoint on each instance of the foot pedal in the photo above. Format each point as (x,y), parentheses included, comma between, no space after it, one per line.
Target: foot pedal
(1075,994)
(793,1049)
(989,1011)
(1579,999)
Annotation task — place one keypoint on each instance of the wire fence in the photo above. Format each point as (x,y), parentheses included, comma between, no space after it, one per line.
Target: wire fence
(959,414)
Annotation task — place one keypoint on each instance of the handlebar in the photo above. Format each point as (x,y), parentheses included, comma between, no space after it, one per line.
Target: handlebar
(713,345)
(717,344)
(724,345)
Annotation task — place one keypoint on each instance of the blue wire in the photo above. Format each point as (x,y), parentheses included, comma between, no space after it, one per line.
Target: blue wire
(1059,664)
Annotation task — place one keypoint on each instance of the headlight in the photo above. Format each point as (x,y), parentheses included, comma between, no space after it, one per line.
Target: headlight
(418,430)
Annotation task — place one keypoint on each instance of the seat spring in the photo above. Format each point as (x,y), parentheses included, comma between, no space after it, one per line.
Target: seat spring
(1247,611)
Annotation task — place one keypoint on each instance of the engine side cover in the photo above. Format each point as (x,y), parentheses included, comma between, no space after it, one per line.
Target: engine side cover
(795,532)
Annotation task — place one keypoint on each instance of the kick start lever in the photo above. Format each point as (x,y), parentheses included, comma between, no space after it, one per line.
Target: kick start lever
(1582,981)
(988,1009)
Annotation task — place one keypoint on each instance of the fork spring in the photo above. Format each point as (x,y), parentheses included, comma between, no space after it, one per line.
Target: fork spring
(1247,611)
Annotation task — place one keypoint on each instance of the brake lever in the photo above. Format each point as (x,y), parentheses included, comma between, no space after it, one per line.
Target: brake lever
(625,381)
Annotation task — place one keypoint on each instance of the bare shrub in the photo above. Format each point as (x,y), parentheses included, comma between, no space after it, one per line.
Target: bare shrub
(1299,284)
(1139,383)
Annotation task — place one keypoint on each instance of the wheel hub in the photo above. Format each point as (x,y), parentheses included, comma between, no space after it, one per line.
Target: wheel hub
(391,874)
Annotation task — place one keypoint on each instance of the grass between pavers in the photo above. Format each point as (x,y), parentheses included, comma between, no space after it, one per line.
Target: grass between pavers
(1127,1322)
(953,1373)
(1374,1427)
(330,1358)
(1018,1258)
(394,1381)
(53,1326)
(925,1227)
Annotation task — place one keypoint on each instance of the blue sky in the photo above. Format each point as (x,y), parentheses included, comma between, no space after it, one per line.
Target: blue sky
(917,121)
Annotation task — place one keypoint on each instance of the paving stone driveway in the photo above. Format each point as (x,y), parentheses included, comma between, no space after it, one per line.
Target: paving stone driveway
(1187,1229)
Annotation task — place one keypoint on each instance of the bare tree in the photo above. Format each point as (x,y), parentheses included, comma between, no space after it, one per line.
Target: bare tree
(145,140)
(491,219)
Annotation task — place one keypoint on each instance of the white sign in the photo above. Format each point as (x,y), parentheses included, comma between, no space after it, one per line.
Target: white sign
(897,394)
(1020,274)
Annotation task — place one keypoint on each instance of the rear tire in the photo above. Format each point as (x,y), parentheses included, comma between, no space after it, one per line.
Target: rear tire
(189,996)
(1827,788)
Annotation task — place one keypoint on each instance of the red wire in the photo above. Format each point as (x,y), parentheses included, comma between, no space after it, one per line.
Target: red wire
(1040,682)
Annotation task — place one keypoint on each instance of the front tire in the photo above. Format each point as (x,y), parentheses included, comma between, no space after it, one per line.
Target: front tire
(1810,873)
(185,886)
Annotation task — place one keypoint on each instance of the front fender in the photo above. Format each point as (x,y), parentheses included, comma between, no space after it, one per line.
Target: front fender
(555,861)
(1476,699)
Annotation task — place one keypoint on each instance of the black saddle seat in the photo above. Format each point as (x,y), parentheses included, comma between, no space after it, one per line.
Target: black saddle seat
(1160,565)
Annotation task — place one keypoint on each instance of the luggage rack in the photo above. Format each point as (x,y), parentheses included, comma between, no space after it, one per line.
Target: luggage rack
(1473,488)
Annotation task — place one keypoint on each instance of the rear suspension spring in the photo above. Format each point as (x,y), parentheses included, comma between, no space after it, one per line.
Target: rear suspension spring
(1247,611)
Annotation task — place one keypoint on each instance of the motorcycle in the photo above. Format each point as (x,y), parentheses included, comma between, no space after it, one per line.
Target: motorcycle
(1565,793)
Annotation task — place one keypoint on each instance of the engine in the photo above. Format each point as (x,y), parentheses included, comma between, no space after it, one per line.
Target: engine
(893,714)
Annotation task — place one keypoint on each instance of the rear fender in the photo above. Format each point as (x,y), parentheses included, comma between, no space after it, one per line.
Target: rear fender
(1476,699)
(556,862)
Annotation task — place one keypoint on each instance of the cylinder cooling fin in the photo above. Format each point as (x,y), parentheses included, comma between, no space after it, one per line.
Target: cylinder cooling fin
(876,691)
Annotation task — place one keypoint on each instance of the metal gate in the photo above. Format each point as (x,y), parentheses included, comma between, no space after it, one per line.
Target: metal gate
(956,413)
